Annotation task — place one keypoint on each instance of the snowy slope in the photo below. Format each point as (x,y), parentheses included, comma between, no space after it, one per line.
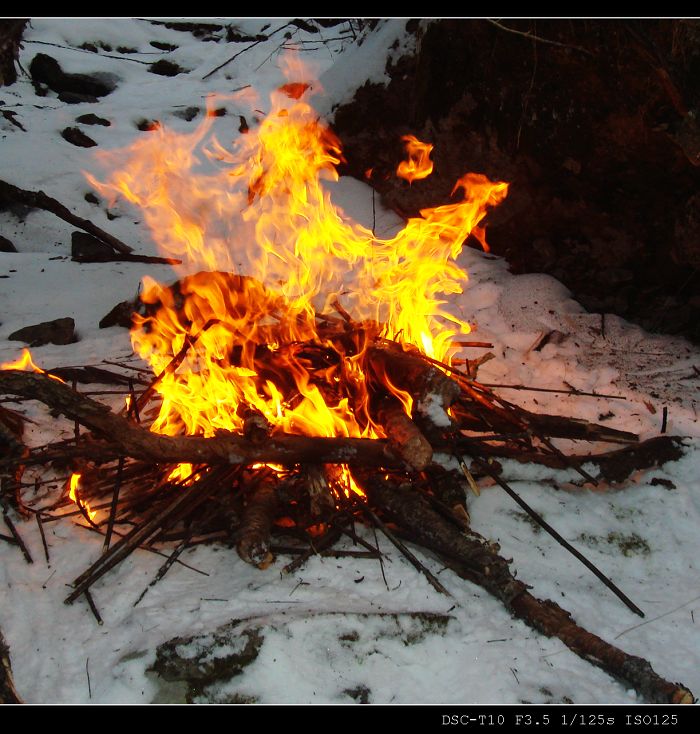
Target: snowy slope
(334,631)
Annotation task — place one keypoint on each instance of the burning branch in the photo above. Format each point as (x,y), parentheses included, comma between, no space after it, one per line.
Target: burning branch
(254,539)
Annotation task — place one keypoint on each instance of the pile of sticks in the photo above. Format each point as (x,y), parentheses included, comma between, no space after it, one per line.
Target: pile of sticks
(414,483)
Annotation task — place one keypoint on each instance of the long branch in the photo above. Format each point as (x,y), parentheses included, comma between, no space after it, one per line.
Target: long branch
(473,558)
(139,443)
(40,200)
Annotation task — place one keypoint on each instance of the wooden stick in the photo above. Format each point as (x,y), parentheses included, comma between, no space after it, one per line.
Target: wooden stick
(128,258)
(615,466)
(405,438)
(339,308)
(253,544)
(549,389)
(411,373)
(317,478)
(93,607)
(118,552)
(18,538)
(133,403)
(40,523)
(469,344)
(39,200)
(114,503)
(166,566)
(130,440)
(176,361)
(562,541)
(256,428)
(361,541)
(473,558)
(315,547)
(432,579)
(8,692)
(146,548)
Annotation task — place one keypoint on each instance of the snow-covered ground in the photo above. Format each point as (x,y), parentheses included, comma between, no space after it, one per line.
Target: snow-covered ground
(334,631)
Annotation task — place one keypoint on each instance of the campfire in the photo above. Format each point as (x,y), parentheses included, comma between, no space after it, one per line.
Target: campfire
(306,376)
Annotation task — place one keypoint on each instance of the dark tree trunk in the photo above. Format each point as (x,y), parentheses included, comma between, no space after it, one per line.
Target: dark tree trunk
(11,30)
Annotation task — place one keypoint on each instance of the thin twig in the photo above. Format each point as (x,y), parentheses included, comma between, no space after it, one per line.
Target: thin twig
(146,548)
(118,552)
(39,200)
(339,308)
(174,363)
(533,37)
(432,579)
(325,541)
(76,422)
(661,616)
(113,507)
(549,389)
(166,566)
(40,523)
(381,560)
(470,344)
(93,607)
(562,541)
(357,539)
(18,538)
(104,56)
(243,50)
(133,403)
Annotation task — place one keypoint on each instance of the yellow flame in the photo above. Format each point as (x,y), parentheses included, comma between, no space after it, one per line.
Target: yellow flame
(74,484)
(418,164)
(25,362)
(263,200)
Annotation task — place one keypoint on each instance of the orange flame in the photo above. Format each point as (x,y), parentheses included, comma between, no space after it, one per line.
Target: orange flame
(418,164)
(263,202)
(25,362)
(74,484)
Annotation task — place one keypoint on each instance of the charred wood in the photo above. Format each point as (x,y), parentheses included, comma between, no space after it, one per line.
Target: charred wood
(404,436)
(130,440)
(253,544)
(411,373)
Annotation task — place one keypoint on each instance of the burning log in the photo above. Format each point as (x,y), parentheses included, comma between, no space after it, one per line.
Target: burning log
(405,438)
(473,558)
(253,544)
(412,374)
(126,439)
(229,448)
(256,428)
(317,483)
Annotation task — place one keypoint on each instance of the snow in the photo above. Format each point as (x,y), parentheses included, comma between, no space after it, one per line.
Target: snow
(334,627)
